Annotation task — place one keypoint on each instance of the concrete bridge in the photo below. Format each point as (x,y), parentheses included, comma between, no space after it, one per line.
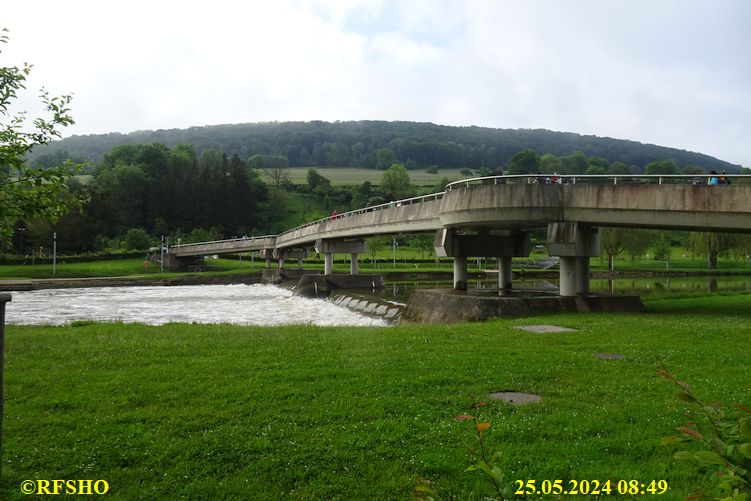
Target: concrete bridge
(492,217)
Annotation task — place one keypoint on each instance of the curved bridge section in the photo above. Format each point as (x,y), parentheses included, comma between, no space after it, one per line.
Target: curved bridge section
(673,206)
(491,216)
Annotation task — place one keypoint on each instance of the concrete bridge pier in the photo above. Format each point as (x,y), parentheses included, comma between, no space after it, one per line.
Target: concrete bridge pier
(501,244)
(505,277)
(461,275)
(331,247)
(282,254)
(574,244)
(266,254)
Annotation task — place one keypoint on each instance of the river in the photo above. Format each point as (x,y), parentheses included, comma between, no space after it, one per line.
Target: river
(258,304)
(254,304)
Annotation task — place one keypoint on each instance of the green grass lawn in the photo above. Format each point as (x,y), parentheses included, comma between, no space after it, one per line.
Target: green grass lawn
(228,412)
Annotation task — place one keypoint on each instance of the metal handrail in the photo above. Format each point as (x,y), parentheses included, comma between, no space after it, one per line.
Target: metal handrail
(573,178)
(229,240)
(372,208)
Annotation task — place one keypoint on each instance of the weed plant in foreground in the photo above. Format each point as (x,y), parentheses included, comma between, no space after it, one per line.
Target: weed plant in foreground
(301,412)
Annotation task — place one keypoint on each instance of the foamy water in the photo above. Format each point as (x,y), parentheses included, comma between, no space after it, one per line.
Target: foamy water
(255,304)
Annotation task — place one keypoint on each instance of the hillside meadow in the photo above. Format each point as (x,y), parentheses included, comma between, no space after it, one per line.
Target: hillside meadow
(354,176)
(303,412)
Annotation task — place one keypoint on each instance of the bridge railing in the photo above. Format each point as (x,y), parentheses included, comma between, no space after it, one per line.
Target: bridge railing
(372,208)
(226,241)
(695,179)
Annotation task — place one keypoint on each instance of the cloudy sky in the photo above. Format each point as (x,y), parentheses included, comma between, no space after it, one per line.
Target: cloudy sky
(670,72)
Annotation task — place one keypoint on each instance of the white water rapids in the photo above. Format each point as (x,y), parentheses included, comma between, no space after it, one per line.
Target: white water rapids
(209,304)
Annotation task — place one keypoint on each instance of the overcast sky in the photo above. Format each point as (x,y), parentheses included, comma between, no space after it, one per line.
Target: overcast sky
(670,72)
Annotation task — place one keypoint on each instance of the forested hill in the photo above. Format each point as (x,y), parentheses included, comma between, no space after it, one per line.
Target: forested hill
(375,144)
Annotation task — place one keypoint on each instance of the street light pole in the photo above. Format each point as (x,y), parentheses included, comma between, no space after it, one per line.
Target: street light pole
(54,253)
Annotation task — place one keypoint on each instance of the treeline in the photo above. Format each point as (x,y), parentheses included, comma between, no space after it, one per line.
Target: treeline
(377,144)
(137,193)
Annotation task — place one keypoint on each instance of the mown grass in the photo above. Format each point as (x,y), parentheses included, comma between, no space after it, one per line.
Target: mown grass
(228,412)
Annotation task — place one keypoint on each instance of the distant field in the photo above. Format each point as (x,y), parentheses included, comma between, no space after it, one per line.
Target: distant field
(340,176)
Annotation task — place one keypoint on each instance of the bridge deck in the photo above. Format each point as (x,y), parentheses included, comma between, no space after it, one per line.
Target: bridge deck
(519,201)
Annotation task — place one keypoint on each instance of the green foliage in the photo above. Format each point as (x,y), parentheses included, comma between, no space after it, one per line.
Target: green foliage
(485,463)
(356,144)
(138,239)
(524,162)
(27,192)
(395,183)
(725,436)
(661,167)
(661,248)
(168,190)
(632,242)
(712,245)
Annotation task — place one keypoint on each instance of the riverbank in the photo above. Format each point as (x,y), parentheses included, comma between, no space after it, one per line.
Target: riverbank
(253,277)
(128,281)
(300,412)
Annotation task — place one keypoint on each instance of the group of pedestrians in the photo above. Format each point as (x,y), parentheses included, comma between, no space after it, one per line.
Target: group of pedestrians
(716,178)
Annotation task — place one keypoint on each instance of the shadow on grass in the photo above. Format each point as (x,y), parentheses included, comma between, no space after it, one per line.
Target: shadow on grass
(728,305)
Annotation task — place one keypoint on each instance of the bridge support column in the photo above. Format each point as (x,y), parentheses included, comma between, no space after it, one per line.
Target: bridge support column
(501,244)
(574,243)
(328,263)
(289,253)
(351,247)
(505,276)
(460,273)
(267,254)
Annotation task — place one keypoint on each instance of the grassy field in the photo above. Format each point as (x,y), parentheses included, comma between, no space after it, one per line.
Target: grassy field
(340,176)
(226,412)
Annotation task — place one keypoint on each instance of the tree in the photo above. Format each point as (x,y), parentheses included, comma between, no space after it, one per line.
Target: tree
(662,167)
(395,182)
(27,192)
(711,245)
(316,181)
(384,158)
(524,162)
